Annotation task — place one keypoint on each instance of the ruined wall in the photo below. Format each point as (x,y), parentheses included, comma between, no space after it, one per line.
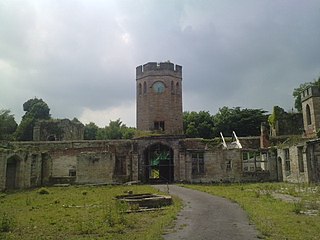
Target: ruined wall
(95,167)
(58,130)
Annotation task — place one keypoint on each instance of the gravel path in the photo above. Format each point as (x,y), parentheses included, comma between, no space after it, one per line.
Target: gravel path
(207,217)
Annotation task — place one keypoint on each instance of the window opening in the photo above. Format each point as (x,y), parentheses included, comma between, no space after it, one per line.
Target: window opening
(308,113)
(140,89)
(197,163)
(144,87)
(159,125)
(300,159)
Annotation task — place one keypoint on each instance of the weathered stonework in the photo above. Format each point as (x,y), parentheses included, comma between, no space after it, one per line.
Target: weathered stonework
(310,99)
(159,109)
(58,130)
(80,162)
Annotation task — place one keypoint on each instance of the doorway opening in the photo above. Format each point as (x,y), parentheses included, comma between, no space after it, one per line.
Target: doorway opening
(12,177)
(159,164)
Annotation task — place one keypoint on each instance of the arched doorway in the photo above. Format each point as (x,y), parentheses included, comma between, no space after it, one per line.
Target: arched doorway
(12,172)
(159,164)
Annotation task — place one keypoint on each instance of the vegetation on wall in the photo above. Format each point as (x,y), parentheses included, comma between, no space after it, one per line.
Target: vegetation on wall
(7,125)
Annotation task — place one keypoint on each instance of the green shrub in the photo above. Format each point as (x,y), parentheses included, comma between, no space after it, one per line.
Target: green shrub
(6,223)
(43,191)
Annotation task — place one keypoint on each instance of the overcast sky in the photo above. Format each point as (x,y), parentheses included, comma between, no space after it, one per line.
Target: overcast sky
(80,56)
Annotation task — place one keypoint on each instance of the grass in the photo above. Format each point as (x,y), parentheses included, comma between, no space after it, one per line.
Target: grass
(275,218)
(80,212)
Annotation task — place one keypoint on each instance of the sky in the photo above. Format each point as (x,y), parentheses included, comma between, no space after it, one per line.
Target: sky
(80,56)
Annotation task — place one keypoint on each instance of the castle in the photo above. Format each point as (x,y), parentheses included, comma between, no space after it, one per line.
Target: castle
(167,156)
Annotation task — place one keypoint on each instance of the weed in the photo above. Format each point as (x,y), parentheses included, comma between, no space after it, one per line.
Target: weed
(7,223)
(43,190)
(297,207)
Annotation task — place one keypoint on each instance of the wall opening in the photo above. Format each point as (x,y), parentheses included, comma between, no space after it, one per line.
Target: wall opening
(308,114)
(159,167)
(12,173)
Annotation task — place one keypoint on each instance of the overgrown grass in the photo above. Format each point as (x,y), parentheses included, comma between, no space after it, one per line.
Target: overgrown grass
(275,218)
(80,213)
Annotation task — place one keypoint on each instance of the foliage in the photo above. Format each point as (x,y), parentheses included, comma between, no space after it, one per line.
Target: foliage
(274,218)
(90,131)
(75,215)
(273,118)
(115,130)
(297,92)
(43,191)
(36,109)
(198,124)
(245,122)
(7,223)
(7,125)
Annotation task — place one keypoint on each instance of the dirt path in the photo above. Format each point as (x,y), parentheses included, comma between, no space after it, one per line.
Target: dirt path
(207,217)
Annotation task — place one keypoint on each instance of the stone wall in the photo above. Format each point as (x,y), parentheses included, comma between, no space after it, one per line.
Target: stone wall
(116,161)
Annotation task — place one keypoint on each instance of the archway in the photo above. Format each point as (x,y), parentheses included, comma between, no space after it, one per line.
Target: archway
(12,173)
(159,164)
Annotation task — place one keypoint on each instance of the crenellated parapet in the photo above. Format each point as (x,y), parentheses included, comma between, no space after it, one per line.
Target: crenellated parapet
(312,91)
(162,68)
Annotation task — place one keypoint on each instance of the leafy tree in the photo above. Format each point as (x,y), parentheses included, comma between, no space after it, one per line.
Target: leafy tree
(245,122)
(90,131)
(198,124)
(36,109)
(115,130)
(8,125)
(297,92)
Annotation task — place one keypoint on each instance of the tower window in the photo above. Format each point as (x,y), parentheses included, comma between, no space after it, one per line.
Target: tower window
(144,87)
(159,125)
(308,113)
(177,88)
(140,89)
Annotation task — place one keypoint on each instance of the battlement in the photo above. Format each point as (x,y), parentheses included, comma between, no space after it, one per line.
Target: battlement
(153,68)
(313,91)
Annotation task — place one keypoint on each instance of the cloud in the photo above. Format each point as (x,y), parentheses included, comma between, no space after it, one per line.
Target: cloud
(80,56)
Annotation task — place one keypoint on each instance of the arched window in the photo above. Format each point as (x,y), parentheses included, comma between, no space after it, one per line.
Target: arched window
(172,87)
(308,114)
(140,88)
(144,87)
(177,88)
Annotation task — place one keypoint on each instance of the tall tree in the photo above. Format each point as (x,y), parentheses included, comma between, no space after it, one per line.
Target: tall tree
(90,131)
(198,124)
(35,109)
(8,125)
(115,130)
(245,122)
(297,92)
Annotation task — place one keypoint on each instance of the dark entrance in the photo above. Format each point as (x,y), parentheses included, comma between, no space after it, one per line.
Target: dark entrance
(11,173)
(159,164)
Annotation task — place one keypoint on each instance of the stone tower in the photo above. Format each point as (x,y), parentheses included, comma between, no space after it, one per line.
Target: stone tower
(310,99)
(159,97)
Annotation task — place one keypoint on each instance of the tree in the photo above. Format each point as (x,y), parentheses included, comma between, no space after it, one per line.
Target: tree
(90,131)
(8,125)
(115,130)
(198,124)
(36,109)
(245,122)
(297,92)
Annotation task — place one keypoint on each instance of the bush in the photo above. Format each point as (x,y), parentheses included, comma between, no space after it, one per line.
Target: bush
(6,223)
(43,191)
